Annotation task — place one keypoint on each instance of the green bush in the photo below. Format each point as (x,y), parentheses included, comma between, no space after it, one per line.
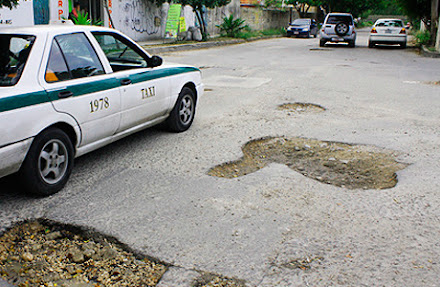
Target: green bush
(232,27)
(422,38)
(273,32)
(83,19)
(364,24)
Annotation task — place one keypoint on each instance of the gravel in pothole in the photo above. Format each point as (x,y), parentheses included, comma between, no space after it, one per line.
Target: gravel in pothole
(301,108)
(34,254)
(209,280)
(339,164)
(39,254)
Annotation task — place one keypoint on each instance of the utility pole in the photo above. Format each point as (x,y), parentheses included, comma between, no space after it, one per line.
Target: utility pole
(434,19)
(437,40)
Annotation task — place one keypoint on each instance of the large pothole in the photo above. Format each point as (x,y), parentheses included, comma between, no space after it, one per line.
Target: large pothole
(299,108)
(339,164)
(42,253)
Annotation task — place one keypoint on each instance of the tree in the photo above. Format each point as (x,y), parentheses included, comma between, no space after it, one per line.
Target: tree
(198,7)
(303,6)
(8,3)
(425,10)
(355,7)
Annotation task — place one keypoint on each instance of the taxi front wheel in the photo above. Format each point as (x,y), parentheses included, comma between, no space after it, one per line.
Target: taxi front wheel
(182,115)
(48,164)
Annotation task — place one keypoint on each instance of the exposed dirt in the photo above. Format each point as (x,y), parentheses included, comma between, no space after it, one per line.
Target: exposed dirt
(302,263)
(299,108)
(339,164)
(40,254)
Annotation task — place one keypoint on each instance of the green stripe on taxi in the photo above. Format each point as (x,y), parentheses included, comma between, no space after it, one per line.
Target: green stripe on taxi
(40,97)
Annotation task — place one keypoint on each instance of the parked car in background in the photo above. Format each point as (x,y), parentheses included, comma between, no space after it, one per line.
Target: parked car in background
(68,90)
(305,27)
(389,32)
(337,28)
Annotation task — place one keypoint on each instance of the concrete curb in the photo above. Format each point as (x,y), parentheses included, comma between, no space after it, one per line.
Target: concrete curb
(429,54)
(152,49)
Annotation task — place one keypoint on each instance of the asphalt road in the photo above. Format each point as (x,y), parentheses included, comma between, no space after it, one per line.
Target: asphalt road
(152,191)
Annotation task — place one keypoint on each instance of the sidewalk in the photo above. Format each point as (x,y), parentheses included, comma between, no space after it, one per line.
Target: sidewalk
(158,46)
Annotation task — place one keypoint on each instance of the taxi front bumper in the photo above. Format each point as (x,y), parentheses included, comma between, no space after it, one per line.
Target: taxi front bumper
(12,156)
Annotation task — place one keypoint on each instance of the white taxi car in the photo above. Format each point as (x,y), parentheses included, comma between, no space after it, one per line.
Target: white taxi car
(68,90)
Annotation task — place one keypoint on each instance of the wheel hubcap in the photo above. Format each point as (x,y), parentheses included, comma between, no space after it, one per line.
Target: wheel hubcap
(186,110)
(52,163)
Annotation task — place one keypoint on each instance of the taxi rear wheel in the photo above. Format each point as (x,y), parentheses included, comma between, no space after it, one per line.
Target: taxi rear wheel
(182,115)
(48,164)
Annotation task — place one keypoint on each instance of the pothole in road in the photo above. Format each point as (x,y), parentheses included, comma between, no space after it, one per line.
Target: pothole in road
(339,164)
(302,263)
(43,253)
(299,108)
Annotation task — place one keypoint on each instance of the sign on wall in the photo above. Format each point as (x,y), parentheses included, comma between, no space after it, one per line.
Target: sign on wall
(30,12)
(173,20)
(22,15)
(59,9)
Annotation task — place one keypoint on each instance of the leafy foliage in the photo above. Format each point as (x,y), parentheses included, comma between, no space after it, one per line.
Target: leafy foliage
(83,19)
(356,7)
(8,3)
(303,6)
(423,38)
(418,9)
(231,27)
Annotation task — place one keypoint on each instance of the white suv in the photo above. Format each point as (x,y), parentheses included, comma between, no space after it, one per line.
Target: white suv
(338,27)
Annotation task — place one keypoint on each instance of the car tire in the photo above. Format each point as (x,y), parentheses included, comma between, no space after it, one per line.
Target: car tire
(308,35)
(371,44)
(182,115)
(342,29)
(351,44)
(403,45)
(322,43)
(48,163)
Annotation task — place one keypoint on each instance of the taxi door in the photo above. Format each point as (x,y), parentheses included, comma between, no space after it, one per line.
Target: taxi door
(78,85)
(144,90)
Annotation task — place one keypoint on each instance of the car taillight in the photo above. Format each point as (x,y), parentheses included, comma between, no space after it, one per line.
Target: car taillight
(403,31)
(373,30)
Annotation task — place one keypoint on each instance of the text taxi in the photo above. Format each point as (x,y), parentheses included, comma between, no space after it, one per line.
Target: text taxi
(68,90)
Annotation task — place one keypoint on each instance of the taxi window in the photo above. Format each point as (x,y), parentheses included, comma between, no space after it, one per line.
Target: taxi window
(14,52)
(56,68)
(120,52)
(74,52)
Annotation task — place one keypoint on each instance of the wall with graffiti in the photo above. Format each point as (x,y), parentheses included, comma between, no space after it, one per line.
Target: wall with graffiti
(141,19)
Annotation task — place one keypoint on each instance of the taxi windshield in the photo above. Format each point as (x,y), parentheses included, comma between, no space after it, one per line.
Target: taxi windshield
(14,52)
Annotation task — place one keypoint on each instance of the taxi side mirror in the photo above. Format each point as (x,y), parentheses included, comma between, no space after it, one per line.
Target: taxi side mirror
(155,61)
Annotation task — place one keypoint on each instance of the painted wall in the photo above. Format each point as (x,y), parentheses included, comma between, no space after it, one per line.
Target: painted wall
(30,12)
(142,20)
(258,18)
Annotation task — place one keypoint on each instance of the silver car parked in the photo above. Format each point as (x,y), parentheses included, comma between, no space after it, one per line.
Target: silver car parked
(338,27)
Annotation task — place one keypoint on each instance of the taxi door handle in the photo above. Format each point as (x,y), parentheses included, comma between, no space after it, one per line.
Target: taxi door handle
(125,82)
(65,94)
